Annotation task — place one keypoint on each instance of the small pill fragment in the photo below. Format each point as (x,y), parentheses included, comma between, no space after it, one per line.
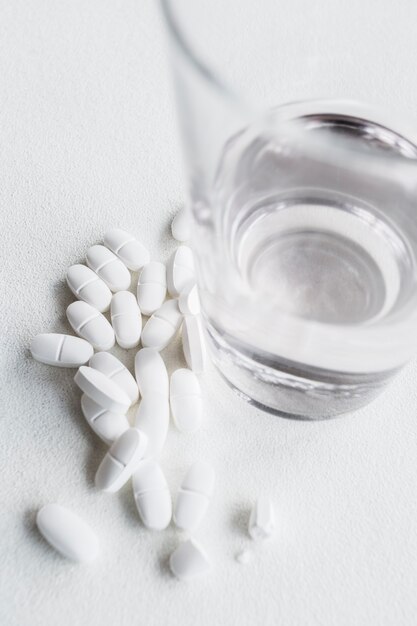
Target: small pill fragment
(106,424)
(121,461)
(189,300)
(102,390)
(189,560)
(152,287)
(193,343)
(152,496)
(152,418)
(262,519)
(91,325)
(126,319)
(194,496)
(151,373)
(244,557)
(109,268)
(185,399)
(87,286)
(129,250)
(67,533)
(181,225)
(180,270)
(60,350)
(162,326)
(110,366)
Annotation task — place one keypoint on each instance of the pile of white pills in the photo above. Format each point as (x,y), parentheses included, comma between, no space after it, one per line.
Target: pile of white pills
(109,390)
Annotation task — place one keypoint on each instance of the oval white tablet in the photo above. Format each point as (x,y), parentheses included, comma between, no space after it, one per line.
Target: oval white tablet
(189,300)
(87,286)
(162,326)
(180,270)
(60,350)
(129,250)
(193,343)
(150,372)
(110,366)
(152,418)
(102,389)
(106,424)
(91,325)
(67,533)
(189,560)
(181,225)
(121,461)
(152,287)
(194,495)
(109,268)
(126,319)
(152,497)
(185,399)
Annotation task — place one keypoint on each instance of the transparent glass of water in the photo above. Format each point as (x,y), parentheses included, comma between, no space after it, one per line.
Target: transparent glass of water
(299,129)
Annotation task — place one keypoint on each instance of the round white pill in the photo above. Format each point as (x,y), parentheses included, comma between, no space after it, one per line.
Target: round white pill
(60,350)
(152,418)
(189,300)
(152,287)
(121,461)
(152,496)
(91,325)
(162,326)
(189,560)
(129,250)
(110,366)
(193,343)
(126,319)
(87,286)
(151,373)
(106,424)
(194,496)
(102,389)
(181,225)
(67,533)
(180,270)
(109,268)
(185,399)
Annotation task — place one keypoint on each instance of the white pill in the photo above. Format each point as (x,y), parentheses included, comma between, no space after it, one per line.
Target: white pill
(126,319)
(189,300)
(152,496)
(181,225)
(193,343)
(91,325)
(152,418)
(194,496)
(87,286)
(67,533)
(185,399)
(152,287)
(108,365)
(102,390)
(129,250)
(244,557)
(106,424)
(121,461)
(109,268)
(60,350)
(180,270)
(262,519)
(151,373)
(189,560)
(162,326)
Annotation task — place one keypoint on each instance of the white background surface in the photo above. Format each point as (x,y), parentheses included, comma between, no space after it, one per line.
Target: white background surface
(88,141)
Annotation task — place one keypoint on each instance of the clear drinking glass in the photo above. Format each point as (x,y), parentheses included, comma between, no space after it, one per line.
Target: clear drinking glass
(301,155)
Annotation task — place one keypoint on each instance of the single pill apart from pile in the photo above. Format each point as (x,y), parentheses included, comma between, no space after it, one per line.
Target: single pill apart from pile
(91,325)
(244,556)
(109,268)
(189,300)
(194,496)
(129,250)
(162,326)
(152,497)
(194,343)
(152,418)
(121,461)
(185,399)
(180,270)
(152,287)
(150,372)
(61,350)
(87,286)
(111,367)
(181,225)
(126,319)
(102,390)
(106,424)
(189,560)
(67,533)
(262,519)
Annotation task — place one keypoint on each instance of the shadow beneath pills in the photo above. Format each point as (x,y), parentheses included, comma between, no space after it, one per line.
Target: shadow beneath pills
(128,502)
(240,521)
(29,523)
(162,563)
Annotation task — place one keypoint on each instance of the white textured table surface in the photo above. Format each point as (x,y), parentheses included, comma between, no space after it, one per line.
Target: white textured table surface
(89,141)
